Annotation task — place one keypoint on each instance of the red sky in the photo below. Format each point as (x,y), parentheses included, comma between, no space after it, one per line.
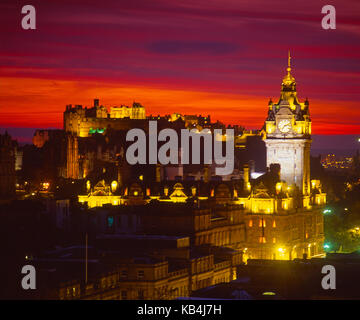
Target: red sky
(225,58)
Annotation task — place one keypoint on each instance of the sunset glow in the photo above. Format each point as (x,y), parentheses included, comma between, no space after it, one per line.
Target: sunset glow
(225,60)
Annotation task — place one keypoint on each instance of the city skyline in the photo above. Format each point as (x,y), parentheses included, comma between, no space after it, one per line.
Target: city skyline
(216,61)
(180,150)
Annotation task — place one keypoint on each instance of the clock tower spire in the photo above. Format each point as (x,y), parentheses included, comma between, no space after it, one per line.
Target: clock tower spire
(288,135)
(289,62)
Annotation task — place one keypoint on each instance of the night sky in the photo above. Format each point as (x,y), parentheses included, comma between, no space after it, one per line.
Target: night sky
(225,58)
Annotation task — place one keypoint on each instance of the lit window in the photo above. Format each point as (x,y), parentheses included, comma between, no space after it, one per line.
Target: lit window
(262,223)
(274,224)
(274,240)
(110,221)
(114,186)
(250,223)
(262,240)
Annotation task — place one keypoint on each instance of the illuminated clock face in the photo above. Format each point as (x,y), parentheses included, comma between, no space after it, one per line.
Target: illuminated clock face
(284,126)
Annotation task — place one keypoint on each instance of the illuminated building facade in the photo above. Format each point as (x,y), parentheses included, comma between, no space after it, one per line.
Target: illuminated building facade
(333,162)
(291,222)
(264,218)
(82,122)
(275,216)
(137,111)
(101,194)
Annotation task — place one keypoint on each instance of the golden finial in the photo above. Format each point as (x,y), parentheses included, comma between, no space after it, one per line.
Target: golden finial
(288,79)
(289,63)
(289,59)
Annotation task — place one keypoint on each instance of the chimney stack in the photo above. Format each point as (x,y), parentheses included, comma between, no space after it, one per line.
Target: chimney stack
(207,173)
(275,170)
(158,173)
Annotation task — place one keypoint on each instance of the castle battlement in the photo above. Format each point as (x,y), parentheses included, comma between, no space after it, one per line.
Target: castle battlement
(81,121)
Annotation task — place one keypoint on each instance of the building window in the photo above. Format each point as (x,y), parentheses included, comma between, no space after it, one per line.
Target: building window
(274,224)
(124,274)
(123,295)
(141,294)
(250,223)
(110,221)
(262,240)
(119,221)
(141,274)
(274,240)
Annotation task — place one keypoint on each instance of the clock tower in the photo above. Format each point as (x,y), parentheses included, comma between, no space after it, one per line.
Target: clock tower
(288,135)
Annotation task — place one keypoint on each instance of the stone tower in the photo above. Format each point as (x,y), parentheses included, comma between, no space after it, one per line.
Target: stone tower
(72,157)
(288,135)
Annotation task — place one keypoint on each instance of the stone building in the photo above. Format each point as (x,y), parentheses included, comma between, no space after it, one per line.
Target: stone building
(288,136)
(278,215)
(83,122)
